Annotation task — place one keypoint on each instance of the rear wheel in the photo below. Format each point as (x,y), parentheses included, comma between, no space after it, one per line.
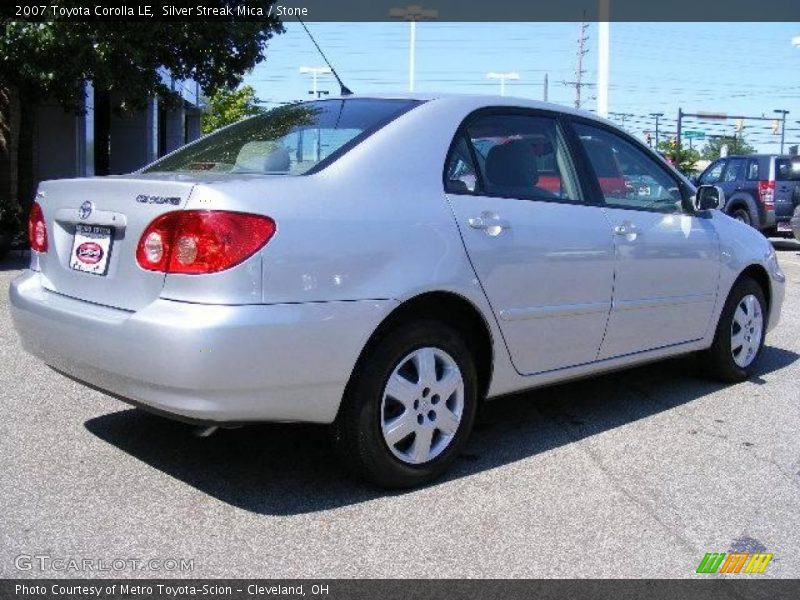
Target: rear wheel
(409,407)
(740,333)
(742,214)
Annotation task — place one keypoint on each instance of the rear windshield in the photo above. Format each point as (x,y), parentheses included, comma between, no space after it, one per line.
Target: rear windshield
(787,169)
(289,140)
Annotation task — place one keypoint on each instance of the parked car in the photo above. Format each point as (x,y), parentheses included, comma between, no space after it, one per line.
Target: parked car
(760,190)
(385,264)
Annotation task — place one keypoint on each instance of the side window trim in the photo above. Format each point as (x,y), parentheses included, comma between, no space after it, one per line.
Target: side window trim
(562,129)
(461,136)
(686,203)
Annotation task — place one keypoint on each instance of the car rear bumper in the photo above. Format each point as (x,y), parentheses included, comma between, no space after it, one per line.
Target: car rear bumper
(281,362)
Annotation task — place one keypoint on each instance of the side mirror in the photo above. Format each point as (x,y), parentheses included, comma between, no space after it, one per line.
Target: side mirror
(709,197)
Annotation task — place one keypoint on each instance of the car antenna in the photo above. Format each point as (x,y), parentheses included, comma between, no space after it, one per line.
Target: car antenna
(343,89)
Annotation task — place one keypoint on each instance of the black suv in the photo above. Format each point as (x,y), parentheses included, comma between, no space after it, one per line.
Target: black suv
(761,190)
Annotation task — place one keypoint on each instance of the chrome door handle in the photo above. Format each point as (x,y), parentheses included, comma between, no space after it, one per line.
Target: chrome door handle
(490,223)
(627,229)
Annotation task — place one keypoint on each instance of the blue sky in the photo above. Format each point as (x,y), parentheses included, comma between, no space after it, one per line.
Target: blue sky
(736,68)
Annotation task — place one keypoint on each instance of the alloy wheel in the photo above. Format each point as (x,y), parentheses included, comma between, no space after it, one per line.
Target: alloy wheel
(422,405)
(746,330)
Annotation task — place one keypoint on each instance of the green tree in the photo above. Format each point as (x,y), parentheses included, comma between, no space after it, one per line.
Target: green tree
(227,106)
(52,59)
(736,145)
(684,158)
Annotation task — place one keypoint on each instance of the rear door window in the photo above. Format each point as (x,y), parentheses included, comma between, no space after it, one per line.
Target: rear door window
(735,170)
(514,156)
(753,170)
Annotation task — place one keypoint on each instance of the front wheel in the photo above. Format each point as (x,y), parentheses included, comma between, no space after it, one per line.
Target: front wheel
(740,333)
(409,407)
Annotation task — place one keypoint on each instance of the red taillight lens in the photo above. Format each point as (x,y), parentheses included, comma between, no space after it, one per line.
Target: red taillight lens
(37,229)
(202,241)
(766,193)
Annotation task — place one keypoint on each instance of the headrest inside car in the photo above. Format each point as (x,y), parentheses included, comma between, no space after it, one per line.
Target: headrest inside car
(262,157)
(512,165)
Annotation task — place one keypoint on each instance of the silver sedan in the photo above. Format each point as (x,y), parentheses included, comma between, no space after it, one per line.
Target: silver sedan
(384,264)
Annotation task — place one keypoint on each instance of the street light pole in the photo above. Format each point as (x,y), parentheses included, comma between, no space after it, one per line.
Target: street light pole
(315,72)
(412,14)
(502,77)
(783,114)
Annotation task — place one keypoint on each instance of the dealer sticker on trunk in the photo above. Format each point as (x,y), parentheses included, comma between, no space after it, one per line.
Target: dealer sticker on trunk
(91,249)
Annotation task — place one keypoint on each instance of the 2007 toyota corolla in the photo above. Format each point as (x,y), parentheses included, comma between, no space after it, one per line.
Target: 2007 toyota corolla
(384,264)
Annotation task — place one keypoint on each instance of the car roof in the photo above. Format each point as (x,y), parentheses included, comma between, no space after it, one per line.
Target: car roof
(759,156)
(469,102)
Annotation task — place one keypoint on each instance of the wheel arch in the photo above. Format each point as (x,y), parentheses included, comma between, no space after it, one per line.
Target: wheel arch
(759,274)
(746,202)
(454,310)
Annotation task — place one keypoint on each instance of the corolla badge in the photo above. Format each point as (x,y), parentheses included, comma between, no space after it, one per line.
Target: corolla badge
(145,199)
(85,210)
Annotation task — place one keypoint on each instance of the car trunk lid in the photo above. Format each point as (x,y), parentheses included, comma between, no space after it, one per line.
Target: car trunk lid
(122,206)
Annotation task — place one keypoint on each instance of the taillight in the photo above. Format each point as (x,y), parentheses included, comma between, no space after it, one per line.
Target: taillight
(202,241)
(766,193)
(37,229)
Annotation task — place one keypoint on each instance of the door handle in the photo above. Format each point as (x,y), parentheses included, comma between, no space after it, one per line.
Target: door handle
(490,223)
(626,229)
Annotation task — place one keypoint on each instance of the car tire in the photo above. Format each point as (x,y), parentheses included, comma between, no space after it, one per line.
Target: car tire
(739,337)
(742,214)
(383,426)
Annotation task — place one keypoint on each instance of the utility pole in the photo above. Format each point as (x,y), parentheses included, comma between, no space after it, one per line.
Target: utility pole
(603,55)
(315,72)
(503,77)
(412,14)
(657,117)
(678,130)
(783,114)
(579,70)
(545,87)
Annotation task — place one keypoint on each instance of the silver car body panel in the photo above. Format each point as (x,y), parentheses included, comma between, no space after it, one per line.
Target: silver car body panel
(277,337)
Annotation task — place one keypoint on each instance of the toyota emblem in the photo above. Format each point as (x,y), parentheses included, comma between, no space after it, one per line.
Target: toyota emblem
(85,210)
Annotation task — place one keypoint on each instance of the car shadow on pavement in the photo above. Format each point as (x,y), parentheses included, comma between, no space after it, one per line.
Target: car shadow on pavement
(290,469)
(16,260)
(786,245)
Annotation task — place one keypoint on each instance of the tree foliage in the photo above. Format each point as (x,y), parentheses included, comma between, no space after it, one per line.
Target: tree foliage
(736,145)
(229,106)
(684,158)
(50,59)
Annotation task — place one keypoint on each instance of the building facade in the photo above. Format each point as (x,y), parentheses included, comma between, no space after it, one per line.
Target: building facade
(99,141)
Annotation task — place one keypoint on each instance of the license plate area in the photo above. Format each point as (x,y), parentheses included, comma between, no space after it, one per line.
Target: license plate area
(91,249)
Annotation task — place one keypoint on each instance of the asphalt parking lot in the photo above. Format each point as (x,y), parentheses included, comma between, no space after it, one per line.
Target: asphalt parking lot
(634,474)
